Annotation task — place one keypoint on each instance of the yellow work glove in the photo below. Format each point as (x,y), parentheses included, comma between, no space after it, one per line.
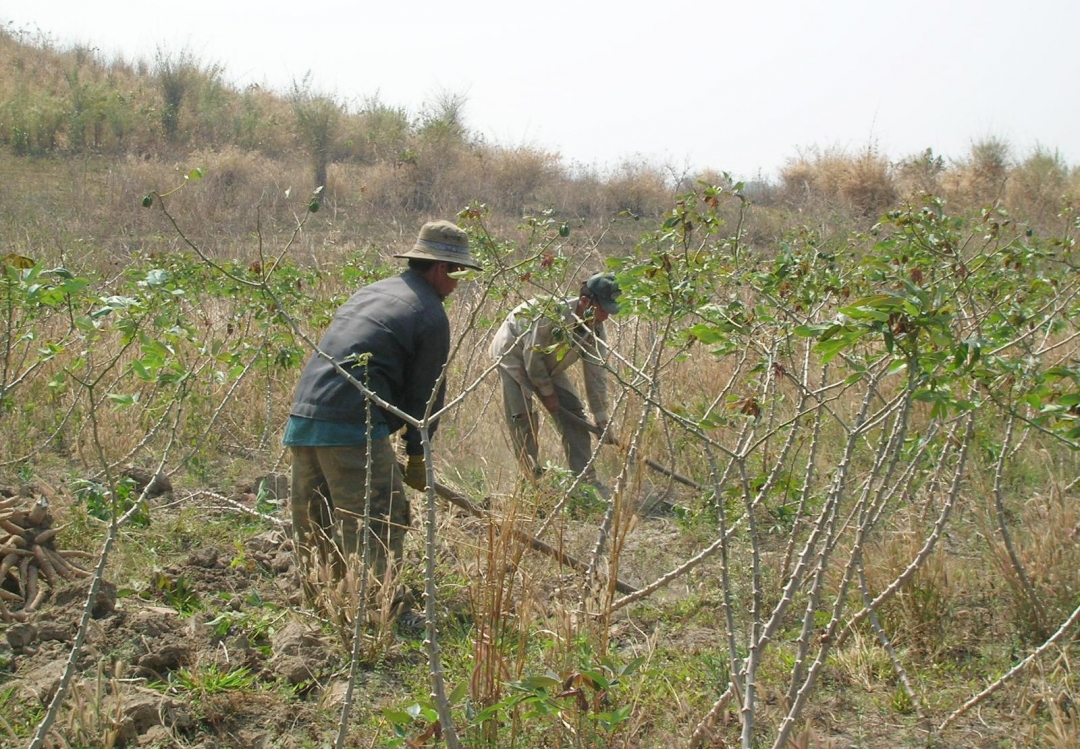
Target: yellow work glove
(416,473)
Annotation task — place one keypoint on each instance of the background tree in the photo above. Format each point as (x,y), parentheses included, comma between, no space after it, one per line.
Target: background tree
(174,76)
(318,120)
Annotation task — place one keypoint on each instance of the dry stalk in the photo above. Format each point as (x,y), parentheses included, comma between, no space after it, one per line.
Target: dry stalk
(703,731)
(362,597)
(904,488)
(931,540)
(760,633)
(786,573)
(829,635)
(232,504)
(1041,620)
(438,677)
(1012,673)
(883,638)
(613,502)
(719,479)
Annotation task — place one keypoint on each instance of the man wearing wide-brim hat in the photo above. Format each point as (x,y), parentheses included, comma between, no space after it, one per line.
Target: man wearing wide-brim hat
(535,346)
(393,336)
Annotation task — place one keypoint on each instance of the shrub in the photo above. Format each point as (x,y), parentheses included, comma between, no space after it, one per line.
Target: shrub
(1038,185)
(514,177)
(381,132)
(637,187)
(920,173)
(862,184)
(980,178)
(318,120)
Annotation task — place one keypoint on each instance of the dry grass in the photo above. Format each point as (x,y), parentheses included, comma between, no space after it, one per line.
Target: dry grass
(1041,187)
(862,182)
(1047,539)
(1052,696)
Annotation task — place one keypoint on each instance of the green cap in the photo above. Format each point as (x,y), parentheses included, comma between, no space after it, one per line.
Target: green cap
(604,289)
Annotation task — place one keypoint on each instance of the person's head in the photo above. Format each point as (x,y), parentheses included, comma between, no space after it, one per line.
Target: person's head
(599,294)
(441,251)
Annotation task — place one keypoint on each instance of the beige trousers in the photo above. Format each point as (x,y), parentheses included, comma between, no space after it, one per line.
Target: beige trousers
(522,422)
(328,498)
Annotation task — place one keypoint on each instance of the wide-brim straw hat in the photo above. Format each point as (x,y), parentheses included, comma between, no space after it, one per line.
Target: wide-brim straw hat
(442,241)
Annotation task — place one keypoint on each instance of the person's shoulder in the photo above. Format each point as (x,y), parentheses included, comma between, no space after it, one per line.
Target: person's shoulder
(416,284)
(390,298)
(406,287)
(396,281)
(543,306)
(382,286)
(422,299)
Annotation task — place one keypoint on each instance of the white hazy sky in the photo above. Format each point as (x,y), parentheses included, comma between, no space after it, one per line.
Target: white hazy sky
(740,87)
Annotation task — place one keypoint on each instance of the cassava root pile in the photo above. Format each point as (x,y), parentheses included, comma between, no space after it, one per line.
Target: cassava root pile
(30,562)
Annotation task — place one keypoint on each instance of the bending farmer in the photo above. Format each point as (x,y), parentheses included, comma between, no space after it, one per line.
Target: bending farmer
(392,336)
(535,347)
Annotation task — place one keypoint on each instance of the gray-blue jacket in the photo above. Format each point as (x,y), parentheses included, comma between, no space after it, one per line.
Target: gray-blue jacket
(401,323)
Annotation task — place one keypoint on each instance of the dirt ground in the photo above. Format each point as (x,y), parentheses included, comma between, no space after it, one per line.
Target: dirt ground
(149,674)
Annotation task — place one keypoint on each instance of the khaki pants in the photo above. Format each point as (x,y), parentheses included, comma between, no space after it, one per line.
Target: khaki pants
(521,420)
(328,497)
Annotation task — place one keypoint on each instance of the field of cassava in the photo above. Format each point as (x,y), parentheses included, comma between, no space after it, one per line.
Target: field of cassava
(844,452)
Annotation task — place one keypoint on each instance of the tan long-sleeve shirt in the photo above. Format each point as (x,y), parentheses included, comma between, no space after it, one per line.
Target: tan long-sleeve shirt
(541,339)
